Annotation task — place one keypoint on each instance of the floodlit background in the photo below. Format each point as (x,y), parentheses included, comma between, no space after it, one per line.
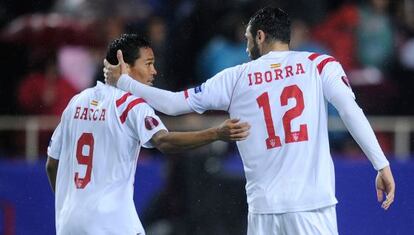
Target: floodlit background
(53,49)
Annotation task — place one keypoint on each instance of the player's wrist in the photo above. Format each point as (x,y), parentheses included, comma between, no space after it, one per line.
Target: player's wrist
(384,170)
(215,133)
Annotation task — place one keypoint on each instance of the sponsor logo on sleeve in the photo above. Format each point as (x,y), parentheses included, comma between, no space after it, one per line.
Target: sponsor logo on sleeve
(346,81)
(150,123)
(197,89)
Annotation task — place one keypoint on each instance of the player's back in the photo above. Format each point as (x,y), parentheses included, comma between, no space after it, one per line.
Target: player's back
(94,188)
(286,158)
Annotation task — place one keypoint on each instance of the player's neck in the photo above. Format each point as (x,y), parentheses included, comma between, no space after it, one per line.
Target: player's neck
(276,46)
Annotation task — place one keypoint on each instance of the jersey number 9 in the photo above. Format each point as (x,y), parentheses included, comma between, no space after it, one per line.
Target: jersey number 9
(85,142)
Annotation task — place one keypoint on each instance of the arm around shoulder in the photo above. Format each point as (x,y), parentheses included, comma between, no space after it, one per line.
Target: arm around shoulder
(170,103)
(172,142)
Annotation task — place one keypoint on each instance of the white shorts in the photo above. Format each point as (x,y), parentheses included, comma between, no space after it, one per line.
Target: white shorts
(316,222)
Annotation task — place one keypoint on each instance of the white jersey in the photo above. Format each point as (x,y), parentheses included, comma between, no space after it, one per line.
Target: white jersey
(97,144)
(283,96)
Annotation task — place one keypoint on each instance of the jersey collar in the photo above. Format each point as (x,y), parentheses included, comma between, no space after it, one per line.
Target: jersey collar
(273,54)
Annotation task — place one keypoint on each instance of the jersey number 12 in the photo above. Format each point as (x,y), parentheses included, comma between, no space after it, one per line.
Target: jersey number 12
(288,92)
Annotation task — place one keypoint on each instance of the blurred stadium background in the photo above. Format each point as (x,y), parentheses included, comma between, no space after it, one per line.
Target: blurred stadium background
(52,49)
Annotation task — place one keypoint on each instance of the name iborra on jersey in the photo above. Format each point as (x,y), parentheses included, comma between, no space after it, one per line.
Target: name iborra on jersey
(89,114)
(289,71)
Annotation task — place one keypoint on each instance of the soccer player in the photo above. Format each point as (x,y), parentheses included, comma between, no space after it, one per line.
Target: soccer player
(283,94)
(94,150)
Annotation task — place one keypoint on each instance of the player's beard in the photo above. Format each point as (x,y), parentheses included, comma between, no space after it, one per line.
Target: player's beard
(254,52)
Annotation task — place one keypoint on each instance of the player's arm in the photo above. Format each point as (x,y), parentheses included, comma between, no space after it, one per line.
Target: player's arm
(171,142)
(340,95)
(51,171)
(214,94)
(54,151)
(360,129)
(167,102)
(170,103)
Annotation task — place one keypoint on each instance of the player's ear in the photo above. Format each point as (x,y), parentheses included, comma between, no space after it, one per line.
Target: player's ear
(260,36)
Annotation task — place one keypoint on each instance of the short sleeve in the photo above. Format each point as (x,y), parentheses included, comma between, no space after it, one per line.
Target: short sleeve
(335,81)
(55,143)
(144,123)
(215,93)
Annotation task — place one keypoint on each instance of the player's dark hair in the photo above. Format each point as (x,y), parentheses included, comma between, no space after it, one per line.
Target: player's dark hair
(274,22)
(129,44)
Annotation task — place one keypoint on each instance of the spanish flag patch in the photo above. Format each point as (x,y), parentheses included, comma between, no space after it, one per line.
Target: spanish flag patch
(275,66)
(94,103)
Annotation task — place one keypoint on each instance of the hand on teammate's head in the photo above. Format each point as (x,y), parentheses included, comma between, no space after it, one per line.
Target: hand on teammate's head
(113,72)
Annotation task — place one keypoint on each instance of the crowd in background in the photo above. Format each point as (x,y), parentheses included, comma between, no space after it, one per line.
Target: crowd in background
(52,49)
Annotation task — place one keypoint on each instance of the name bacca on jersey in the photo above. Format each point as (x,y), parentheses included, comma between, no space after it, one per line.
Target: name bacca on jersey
(89,114)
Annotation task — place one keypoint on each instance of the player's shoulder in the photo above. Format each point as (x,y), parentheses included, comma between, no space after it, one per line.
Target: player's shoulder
(321,61)
(91,91)
(122,99)
(126,103)
(240,69)
(82,96)
(316,57)
(126,100)
(76,99)
(233,69)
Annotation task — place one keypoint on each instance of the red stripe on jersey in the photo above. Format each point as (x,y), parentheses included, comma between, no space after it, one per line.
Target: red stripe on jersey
(131,104)
(322,64)
(122,100)
(313,56)
(186,93)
